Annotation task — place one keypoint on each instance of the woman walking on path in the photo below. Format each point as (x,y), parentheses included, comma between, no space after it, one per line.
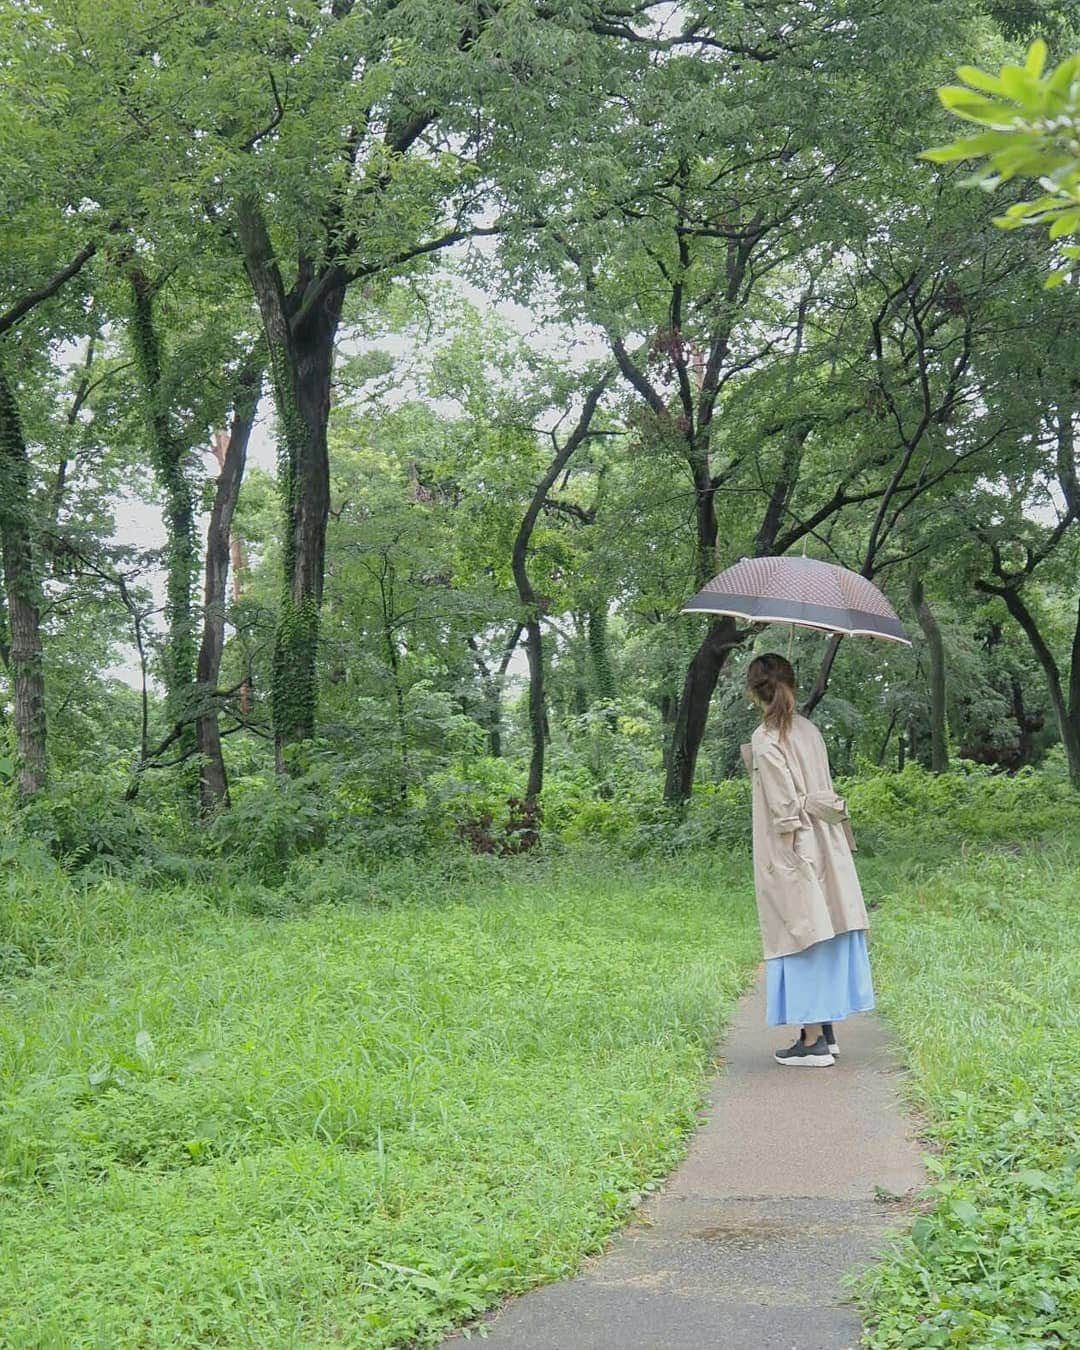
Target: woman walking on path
(810,904)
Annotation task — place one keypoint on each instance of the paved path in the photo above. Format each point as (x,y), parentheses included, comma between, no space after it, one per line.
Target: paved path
(743,1247)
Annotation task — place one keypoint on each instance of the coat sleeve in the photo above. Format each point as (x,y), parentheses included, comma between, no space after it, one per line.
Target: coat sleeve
(779,788)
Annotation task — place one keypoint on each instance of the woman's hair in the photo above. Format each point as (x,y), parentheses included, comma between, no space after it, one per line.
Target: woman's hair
(772,678)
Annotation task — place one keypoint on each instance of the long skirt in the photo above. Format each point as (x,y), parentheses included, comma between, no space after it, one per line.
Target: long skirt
(824,983)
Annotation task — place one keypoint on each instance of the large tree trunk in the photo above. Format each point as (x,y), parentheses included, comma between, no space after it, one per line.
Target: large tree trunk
(21,584)
(939,749)
(231,454)
(300,346)
(167,453)
(693,711)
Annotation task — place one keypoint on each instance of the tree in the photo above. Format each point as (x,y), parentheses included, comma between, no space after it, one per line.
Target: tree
(21,583)
(213,780)
(530,602)
(684,244)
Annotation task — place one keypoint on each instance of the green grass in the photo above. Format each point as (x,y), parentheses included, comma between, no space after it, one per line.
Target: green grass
(362,1106)
(360,1125)
(977,967)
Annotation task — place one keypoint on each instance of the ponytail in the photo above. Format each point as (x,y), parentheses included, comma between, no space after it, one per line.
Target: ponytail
(772,678)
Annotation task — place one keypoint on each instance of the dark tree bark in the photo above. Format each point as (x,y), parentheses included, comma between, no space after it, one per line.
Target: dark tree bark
(693,710)
(232,456)
(939,750)
(23,589)
(300,330)
(534,644)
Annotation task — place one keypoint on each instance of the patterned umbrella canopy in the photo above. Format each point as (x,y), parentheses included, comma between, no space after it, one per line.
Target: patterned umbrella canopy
(801,591)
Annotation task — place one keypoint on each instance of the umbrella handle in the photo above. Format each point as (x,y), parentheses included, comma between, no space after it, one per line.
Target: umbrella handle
(790,636)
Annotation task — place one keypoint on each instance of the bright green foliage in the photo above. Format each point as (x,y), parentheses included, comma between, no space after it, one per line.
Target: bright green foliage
(361,1127)
(978,968)
(1033,131)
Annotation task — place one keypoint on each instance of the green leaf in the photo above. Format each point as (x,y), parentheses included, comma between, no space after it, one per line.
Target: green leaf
(1036,1180)
(1036,58)
(980,80)
(1066,223)
(964,1210)
(965,104)
(1021,88)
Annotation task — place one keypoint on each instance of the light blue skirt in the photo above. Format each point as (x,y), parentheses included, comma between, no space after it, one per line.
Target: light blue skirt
(825,983)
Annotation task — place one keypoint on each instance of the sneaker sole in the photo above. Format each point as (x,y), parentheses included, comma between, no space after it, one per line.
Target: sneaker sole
(807,1061)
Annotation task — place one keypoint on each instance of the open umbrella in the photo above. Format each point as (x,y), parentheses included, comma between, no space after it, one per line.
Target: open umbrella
(800,591)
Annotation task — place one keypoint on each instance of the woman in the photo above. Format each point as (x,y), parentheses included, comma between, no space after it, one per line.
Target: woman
(810,904)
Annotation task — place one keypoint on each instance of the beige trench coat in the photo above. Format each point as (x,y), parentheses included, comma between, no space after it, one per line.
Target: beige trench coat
(807,889)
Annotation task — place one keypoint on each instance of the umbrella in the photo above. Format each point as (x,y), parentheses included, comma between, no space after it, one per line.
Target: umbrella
(800,591)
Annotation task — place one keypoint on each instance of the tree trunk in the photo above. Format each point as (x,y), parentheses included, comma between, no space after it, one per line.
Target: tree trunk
(492,685)
(939,749)
(693,711)
(1025,724)
(579,700)
(888,737)
(167,453)
(1066,707)
(530,603)
(824,671)
(23,595)
(231,453)
(300,346)
(603,677)
(534,650)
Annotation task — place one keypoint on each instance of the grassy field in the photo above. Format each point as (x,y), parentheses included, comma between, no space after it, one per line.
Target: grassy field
(977,965)
(357,1126)
(230,1119)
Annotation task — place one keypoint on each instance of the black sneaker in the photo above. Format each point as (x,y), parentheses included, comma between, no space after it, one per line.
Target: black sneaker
(830,1038)
(800,1054)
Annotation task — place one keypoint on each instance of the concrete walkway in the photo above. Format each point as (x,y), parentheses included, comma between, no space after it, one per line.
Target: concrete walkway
(785,1188)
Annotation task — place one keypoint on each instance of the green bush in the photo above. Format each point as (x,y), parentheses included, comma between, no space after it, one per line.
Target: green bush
(970,803)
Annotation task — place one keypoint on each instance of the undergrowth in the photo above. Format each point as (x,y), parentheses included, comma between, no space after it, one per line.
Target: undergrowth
(359,1124)
(977,967)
